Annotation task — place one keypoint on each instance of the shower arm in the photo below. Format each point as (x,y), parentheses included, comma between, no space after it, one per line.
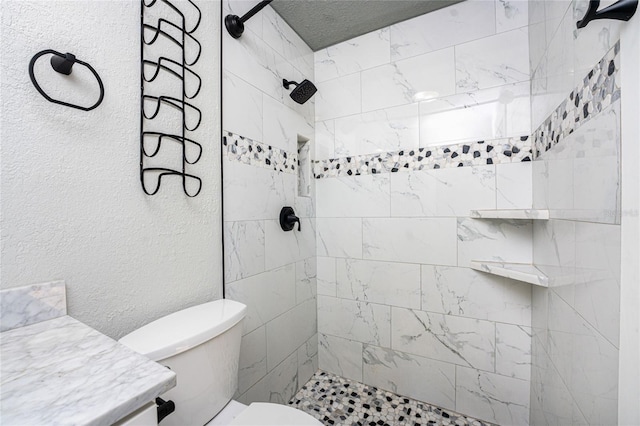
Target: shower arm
(235,24)
(255,9)
(286,83)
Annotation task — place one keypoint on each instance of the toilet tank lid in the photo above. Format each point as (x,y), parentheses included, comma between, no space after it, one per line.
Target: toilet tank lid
(185,329)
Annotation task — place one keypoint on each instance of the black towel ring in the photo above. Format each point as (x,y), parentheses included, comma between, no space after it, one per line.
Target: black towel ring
(62,64)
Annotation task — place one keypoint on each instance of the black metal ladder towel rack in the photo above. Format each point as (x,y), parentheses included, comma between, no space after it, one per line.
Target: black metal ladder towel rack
(152,103)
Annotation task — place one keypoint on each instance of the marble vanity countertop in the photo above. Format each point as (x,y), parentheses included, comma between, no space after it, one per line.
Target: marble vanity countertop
(63,372)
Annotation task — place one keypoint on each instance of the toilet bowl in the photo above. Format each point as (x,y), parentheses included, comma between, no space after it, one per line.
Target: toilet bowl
(201,345)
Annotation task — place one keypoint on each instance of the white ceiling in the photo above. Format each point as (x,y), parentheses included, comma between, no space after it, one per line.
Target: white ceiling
(323,23)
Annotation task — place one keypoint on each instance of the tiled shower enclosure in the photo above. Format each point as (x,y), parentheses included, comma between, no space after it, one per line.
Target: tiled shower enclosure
(483,105)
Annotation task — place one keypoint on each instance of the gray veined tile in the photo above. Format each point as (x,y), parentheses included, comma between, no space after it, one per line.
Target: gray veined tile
(537,44)
(326,278)
(255,62)
(282,125)
(492,397)
(594,376)
(493,61)
(353,196)
(468,293)
(340,356)
(306,277)
(354,55)
(338,97)
(282,248)
(308,359)
(456,24)
(305,206)
(377,131)
(511,14)
(284,40)
(358,321)
(414,376)
(551,404)
(324,140)
(244,249)
(339,237)
(584,360)
(597,288)
(577,175)
(396,284)
(253,359)
(416,240)
(279,385)
(243,107)
(443,192)
(494,240)
(514,185)
(266,295)
(255,193)
(457,340)
(288,331)
(513,351)
(554,252)
(402,82)
(489,113)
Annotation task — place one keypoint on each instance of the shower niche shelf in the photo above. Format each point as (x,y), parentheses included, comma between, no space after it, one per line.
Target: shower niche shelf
(516,271)
(526,214)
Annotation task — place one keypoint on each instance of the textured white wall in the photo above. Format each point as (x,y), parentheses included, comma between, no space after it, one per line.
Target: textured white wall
(72,205)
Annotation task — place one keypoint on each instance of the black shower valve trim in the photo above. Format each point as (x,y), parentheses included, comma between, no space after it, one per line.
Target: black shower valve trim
(288,219)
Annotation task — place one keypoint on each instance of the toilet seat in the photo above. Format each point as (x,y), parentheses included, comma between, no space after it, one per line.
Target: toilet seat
(268,414)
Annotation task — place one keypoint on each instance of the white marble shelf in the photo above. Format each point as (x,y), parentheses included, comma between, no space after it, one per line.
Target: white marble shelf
(61,371)
(517,271)
(511,214)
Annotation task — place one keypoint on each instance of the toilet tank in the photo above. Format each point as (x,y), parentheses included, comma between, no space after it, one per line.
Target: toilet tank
(201,345)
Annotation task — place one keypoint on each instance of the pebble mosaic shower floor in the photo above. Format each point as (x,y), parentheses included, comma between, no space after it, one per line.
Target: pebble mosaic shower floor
(335,400)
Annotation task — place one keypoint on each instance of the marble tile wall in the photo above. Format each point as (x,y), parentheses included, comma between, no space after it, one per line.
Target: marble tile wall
(460,74)
(398,306)
(575,322)
(395,296)
(562,55)
(273,272)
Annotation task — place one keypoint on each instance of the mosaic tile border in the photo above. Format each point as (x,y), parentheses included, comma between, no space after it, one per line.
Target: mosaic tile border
(599,89)
(248,151)
(497,151)
(334,400)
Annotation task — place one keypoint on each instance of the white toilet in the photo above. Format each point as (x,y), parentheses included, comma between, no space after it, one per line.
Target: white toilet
(201,345)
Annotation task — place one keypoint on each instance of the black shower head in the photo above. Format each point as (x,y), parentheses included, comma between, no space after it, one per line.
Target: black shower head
(303,91)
